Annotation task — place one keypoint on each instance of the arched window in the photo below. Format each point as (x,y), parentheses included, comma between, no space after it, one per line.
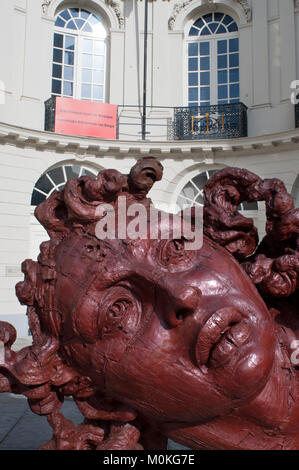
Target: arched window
(55,179)
(213,61)
(192,192)
(79,55)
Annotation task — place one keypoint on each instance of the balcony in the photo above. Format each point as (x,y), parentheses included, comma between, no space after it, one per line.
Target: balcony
(228,121)
(172,123)
(297,114)
(50,109)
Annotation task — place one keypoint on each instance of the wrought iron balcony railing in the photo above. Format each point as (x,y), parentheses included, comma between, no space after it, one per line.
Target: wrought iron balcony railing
(297,114)
(165,123)
(227,121)
(50,108)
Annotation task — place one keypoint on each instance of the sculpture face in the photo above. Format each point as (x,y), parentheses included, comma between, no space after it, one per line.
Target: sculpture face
(180,336)
(152,339)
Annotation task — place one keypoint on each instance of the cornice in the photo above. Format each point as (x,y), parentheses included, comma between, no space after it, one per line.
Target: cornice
(84,146)
(20,9)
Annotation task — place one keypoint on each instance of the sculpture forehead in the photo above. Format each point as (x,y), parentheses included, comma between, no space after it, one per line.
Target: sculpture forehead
(112,260)
(91,248)
(108,261)
(78,254)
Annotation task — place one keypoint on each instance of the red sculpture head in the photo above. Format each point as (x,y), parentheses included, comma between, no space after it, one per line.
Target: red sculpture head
(178,336)
(145,330)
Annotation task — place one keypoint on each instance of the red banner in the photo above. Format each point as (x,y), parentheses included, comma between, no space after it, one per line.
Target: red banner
(85,118)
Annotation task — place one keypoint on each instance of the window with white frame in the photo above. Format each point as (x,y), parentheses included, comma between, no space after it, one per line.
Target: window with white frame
(56,179)
(213,60)
(79,55)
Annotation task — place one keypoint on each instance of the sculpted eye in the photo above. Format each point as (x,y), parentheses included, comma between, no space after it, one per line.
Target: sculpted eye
(95,250)
(172,253)
(115,314)
(119,311)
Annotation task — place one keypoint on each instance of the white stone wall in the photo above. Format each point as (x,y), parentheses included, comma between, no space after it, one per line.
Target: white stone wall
(269,55)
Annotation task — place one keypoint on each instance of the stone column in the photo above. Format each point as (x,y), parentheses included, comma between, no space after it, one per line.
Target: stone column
(260,53)
(176,69)
(116,69)
(38,54)
(7,49)
(161,77)
(246,65)
(288,47)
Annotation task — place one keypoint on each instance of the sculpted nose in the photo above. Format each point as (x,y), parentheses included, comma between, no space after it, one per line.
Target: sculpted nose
(179,302)
(187,299)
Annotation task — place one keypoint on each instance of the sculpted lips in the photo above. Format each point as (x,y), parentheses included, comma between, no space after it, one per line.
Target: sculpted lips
(223,332)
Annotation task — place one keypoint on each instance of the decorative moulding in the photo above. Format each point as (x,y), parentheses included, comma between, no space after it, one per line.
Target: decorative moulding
(45,6)
(116,7)
(43,141)
(247,10)
(183,5)
(176,10)
(113,5)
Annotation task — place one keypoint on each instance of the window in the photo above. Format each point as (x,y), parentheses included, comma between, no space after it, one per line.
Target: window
(192,193)
(54,180)
(79,55)
(213,61)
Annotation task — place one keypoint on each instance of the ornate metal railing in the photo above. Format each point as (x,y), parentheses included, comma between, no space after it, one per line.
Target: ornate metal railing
(227,121)
(50,108)
(297,114)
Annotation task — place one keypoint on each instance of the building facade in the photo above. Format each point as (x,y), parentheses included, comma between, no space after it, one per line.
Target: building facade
(206,60)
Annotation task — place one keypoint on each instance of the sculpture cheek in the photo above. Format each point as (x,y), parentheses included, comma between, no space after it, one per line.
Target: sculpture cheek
(254,368)
(84,320)
(244,378)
